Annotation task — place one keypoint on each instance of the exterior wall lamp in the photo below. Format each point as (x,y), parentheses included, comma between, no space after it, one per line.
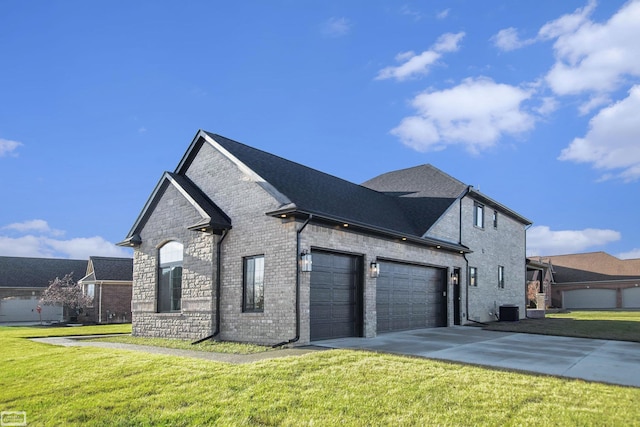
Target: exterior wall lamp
(454,278)
(305,261)
(374,269)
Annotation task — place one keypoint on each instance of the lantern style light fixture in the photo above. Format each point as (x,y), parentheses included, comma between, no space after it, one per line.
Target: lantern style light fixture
(305,261)
(374,269)
(454,278)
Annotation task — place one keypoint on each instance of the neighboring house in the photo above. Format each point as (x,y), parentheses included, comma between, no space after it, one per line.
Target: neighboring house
(243,245)
(22,281)
(594,280)
(540,278)
(108,281)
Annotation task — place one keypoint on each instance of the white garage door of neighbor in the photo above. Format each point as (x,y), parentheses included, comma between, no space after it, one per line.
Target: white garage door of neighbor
(631,298)
(25,310)
(589,298)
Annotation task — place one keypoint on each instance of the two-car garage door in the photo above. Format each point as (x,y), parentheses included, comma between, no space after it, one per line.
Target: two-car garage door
(407,296)
(410,297)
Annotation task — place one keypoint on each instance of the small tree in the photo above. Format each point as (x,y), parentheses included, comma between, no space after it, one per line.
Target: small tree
(532,293)
(67,293)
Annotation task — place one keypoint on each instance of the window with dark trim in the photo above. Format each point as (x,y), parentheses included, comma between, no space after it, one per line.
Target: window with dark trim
(478,215)
(495,219)
(170,277)
(253,284)
(473,276)
(501,277)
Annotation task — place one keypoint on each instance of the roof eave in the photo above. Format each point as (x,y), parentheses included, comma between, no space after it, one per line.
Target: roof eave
(290,211)
(489,201)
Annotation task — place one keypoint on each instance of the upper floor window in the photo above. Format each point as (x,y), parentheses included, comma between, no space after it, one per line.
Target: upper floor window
(170,277)
(495,219)
(473,276)
(253,284)
(478,215)
(501,276)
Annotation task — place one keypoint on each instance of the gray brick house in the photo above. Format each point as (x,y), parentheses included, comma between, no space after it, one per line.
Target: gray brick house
(243,245)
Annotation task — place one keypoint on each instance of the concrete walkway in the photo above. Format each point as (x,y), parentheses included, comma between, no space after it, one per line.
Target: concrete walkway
(614,362)
(82,341)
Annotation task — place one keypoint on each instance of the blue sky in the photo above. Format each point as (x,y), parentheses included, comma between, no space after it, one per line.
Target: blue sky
(536,103)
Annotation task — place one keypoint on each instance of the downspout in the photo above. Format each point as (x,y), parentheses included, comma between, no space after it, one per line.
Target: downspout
(100,306)
(218,288)
(297,337)
(466,273)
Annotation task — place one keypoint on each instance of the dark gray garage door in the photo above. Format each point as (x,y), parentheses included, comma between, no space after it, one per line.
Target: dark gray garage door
(336,296)
(410,297)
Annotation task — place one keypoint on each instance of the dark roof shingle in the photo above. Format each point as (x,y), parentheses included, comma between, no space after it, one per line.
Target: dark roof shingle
(107,268)
(319,193)
(19,272)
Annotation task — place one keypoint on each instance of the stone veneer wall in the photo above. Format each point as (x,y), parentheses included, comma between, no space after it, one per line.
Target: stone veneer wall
(167,222)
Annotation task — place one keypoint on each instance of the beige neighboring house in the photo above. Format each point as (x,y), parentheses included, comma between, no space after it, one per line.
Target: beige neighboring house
(108,281)
(594,280)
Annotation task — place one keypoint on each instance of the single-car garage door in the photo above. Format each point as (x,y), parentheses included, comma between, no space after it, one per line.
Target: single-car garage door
(336,296)
(631,298)
(410,297)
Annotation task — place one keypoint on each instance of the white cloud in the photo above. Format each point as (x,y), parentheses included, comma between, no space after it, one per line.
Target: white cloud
(567,23)
(594,102)
(443,14)
(612,140)
(417,65)
(8,147)
(594,57)
(35,225)
(448,42)
(406,10)
(508,39)
(632,254)
(548,106)
(541,240)
(336,27)
(83,247)
(476,113)
(43,241)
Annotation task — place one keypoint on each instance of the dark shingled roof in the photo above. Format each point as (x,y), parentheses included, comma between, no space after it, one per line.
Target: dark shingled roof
(219,219)
(18,272)
(418,181)
(322,194)
(434,187)
(106,268)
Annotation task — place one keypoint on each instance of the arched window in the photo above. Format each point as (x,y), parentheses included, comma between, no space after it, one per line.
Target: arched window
(170,277)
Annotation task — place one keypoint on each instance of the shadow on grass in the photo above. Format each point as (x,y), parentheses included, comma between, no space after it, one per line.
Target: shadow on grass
(619,330)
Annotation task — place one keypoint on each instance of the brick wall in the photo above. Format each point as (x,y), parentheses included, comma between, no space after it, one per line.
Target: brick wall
(492,247)
(245,198)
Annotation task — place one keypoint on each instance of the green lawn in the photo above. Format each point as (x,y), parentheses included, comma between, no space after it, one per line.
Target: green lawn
(95,386)
(613,325)
(209,346)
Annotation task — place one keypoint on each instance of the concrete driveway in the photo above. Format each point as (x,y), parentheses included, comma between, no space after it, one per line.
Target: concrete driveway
(614,362)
